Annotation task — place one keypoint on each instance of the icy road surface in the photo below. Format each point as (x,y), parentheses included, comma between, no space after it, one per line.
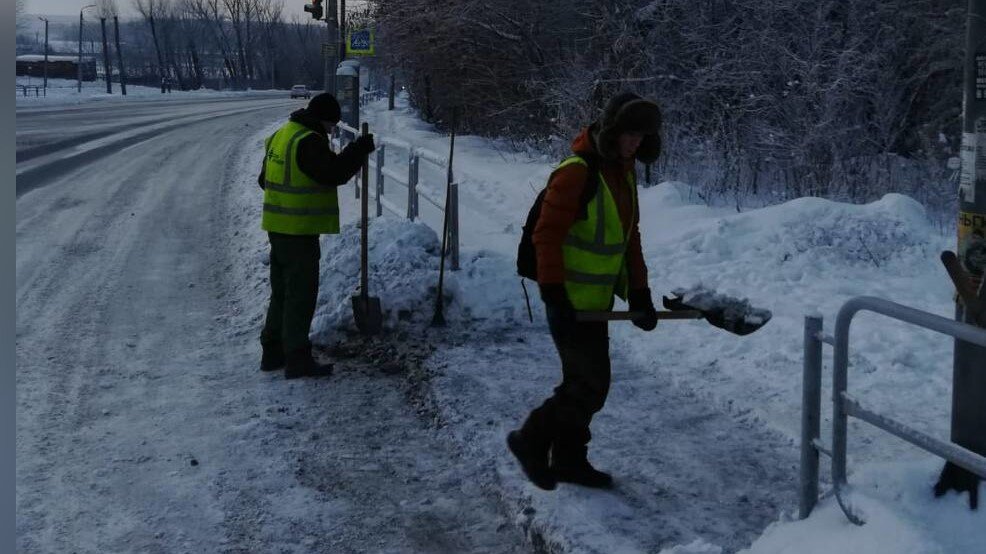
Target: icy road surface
(142,424)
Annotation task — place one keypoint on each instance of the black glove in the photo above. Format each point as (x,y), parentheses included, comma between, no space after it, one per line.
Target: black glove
(364,144)
(640,301)
(960,480)
(556,299)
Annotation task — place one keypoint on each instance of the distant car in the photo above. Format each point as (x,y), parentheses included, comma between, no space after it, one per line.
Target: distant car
(300,91)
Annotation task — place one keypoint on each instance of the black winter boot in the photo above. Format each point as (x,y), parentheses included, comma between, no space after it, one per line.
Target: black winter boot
(272,358)
(301,364)
(960,480)
(533,458)
(570,464)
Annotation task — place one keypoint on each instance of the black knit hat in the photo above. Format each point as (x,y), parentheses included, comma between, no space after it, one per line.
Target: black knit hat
(629,113)
(324,107)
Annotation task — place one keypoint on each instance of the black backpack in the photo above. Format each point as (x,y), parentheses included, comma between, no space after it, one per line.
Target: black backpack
(526,258)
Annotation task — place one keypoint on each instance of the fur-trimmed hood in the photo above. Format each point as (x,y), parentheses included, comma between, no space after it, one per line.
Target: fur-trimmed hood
(628,113)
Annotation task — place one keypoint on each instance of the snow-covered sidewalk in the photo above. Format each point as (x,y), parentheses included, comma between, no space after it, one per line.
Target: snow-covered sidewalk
(799,257)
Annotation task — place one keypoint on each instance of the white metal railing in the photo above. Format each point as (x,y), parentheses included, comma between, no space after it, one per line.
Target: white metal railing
(409,180)
(846,405)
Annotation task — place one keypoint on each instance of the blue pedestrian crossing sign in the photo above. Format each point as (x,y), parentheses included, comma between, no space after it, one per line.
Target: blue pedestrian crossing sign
(360,42)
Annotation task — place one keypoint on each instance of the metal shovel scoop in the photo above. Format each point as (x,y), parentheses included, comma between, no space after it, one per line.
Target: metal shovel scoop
(727,313)
(366,308)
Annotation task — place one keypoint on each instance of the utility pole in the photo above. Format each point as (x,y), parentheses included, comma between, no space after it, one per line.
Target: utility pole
(46,55)
(330,52)
(969,377)
(79,73)
(106,58)
(342,30)
(119,56)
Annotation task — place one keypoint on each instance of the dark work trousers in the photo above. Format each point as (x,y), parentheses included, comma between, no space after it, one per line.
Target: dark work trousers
(563,419)
(293,291)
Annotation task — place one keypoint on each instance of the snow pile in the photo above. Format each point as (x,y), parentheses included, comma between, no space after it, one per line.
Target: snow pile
(403,272)
(901,518)
(805,256)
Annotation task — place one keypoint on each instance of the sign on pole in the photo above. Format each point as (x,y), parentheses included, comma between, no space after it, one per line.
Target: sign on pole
(360,43)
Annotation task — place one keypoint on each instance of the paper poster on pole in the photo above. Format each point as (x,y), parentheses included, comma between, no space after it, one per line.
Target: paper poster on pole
(967,176)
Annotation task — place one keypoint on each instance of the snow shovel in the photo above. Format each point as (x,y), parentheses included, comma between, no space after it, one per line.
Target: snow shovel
(974,301)
(438,320)
(727,313)
(366,308)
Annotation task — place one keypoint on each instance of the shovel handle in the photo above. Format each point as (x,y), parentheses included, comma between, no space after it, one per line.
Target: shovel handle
(961,279)
(627,316)
(364,216)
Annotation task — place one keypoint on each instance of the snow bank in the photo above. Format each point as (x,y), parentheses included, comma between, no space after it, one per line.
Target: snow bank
(804,256)
(403,272)
(65,91)
(901,518)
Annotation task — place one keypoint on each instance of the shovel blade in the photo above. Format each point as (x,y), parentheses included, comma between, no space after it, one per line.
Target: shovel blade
(368,315)
(726,313)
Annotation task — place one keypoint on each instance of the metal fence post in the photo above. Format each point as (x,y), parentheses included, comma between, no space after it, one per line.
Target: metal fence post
(811,403)
(453,208)
(412,186)
(380,158)
(358,184)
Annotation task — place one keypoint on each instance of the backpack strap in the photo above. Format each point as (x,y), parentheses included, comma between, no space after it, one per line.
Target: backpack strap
(592,179)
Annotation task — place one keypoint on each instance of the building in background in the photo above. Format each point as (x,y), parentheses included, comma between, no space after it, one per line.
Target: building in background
(59,67)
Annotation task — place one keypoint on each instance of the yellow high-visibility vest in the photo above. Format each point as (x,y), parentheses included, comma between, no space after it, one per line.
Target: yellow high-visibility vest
(594,250)
(294,204)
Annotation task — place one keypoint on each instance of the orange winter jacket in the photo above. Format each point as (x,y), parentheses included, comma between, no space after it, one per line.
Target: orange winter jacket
(562,205)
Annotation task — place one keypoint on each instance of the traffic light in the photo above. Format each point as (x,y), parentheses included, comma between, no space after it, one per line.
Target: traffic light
(315,8)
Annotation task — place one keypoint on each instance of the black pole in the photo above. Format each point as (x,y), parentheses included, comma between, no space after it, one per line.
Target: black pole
(364,225)
(390,97)
(119,56)
(330,51)
(46,56)
(106,58)
(342,30)
(79,72)
(438,320)
(968,378)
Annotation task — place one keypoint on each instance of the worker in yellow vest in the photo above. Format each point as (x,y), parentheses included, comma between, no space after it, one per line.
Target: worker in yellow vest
(587,246)
(299,176)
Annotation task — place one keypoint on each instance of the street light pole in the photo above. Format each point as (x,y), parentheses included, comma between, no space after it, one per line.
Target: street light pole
(46,55)
(330,53)
(119,56)
(106,58)
(79,72)
(342,31)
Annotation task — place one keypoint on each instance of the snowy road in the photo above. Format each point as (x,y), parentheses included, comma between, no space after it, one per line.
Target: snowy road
(142,422)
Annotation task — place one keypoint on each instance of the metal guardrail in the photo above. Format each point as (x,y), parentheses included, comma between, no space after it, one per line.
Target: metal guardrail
(845,405)
(371,96)
(39,90)
(414,195)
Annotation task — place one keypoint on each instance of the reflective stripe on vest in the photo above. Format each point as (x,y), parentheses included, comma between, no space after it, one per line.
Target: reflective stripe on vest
(294,204)
(594,249)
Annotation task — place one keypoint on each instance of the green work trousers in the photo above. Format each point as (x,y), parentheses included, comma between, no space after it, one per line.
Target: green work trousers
(293,291)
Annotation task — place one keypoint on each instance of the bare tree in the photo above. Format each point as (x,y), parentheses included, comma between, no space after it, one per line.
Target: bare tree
(149,10)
